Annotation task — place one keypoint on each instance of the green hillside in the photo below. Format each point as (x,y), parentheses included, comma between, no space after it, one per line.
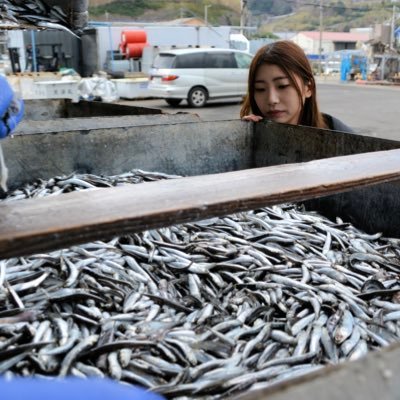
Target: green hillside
(265,15)
(337,16)
(220,12)
(125,8)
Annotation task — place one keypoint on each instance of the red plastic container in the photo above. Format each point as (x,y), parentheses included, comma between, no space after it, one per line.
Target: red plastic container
(134,50)
(133,36)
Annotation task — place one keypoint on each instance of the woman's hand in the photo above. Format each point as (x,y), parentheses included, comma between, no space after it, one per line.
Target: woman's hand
(252,118)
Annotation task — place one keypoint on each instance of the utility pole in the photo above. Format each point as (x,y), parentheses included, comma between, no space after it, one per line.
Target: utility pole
(206,7)
(321,24)
(392,28)
(243,10)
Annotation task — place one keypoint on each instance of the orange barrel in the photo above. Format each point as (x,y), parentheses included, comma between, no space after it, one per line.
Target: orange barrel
(134,50)
(133,37)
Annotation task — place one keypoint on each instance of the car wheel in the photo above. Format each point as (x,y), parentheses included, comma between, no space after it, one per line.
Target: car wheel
(173,102)
(197,97)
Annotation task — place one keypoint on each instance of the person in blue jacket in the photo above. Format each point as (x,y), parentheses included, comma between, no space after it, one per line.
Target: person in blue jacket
(11,108)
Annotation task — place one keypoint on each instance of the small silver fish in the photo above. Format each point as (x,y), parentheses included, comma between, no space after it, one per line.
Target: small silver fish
(52,25)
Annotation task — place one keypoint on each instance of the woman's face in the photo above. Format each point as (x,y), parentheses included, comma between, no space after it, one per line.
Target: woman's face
(275,95)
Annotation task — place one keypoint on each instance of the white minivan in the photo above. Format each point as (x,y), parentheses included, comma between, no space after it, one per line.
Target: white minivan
(199,74)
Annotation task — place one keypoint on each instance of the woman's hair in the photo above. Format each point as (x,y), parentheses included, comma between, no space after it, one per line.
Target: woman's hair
(292,60)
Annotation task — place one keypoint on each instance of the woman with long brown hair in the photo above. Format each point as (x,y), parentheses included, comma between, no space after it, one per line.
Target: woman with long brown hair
(281,87)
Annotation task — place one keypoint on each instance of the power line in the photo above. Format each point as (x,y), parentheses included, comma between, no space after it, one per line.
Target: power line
(340,7)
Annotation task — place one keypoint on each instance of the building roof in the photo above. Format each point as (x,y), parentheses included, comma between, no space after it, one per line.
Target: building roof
(337,36)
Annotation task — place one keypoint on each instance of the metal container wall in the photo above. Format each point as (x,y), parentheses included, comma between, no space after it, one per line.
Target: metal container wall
(372,209)
(180,144)
(47,110)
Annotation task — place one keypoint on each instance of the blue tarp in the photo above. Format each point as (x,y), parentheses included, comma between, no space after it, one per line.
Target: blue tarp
(353,62)
(315,57)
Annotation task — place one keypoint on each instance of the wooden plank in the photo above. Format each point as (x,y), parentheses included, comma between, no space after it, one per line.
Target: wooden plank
(37,225)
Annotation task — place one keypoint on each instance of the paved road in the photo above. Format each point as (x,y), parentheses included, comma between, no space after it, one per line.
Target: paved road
(372,110)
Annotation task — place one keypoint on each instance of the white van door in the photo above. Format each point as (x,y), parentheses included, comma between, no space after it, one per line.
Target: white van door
(222,75)
(243,61)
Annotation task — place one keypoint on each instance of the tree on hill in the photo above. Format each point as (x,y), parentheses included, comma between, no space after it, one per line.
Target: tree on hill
(272,7)
(340,8)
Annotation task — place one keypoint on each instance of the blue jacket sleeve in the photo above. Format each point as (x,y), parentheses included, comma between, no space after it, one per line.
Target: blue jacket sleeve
(72,389)
(11,108)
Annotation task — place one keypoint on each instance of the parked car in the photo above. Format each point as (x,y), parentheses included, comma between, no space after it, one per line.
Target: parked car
(198,75)
(331,67)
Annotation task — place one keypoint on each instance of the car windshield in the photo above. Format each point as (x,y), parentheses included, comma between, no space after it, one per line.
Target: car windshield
(164,61)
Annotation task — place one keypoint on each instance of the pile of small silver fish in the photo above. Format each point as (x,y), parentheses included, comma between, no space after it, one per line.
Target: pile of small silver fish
(208,309)
(40,14)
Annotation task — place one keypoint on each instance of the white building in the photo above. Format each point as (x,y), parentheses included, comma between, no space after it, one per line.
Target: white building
(331,41)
